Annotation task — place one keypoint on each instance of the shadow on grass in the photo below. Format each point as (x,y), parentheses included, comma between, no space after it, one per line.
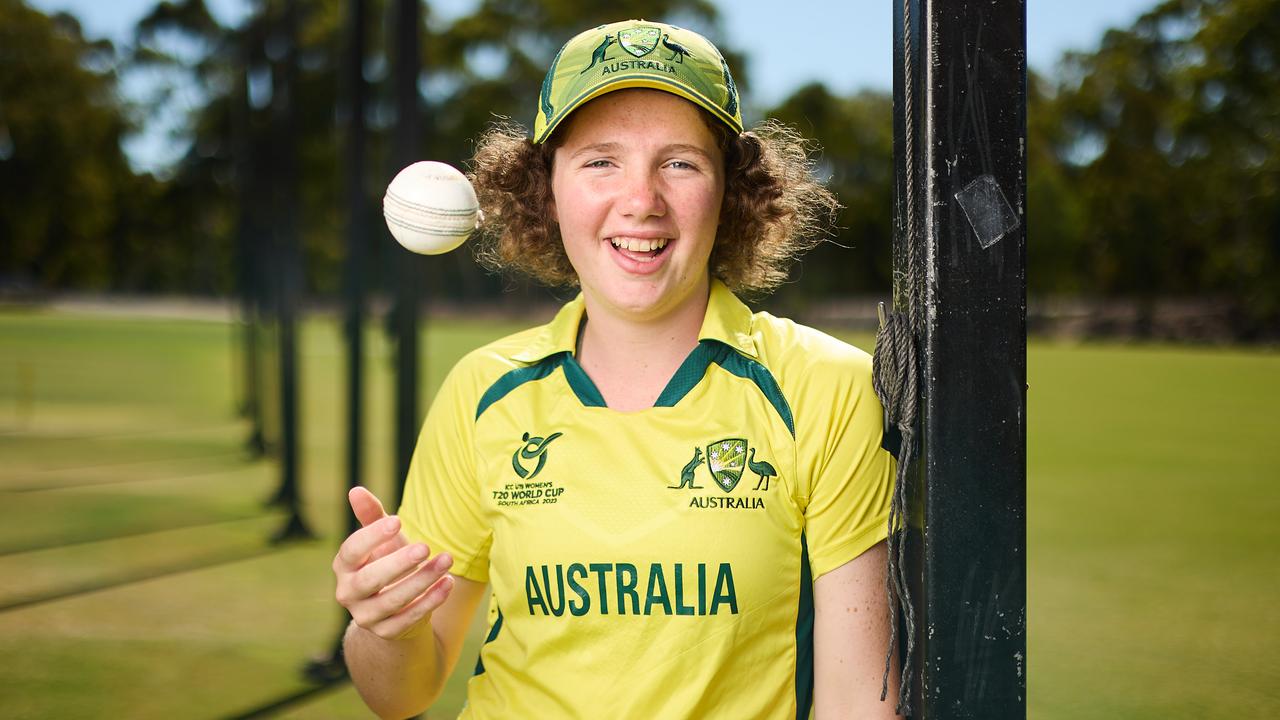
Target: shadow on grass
(297,698)
(69,542)
(169,477)
(140,576)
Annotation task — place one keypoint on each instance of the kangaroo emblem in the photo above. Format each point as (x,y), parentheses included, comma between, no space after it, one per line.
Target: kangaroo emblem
(686,475)
(597,56)
(762,468)
(678,51)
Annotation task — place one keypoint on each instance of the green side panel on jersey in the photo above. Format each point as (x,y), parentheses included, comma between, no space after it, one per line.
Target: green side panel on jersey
(493,635)
(804,636)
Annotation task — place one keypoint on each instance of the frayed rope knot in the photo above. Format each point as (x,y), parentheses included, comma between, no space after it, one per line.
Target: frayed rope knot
(895,378)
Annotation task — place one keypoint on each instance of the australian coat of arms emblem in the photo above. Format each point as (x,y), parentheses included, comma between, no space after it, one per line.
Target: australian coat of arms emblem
(726,459)
(639,41)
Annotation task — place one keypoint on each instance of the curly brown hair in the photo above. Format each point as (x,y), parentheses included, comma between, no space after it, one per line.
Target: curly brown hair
(773,209)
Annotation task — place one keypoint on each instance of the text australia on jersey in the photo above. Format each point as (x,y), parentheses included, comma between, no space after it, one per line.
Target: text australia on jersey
(668,589)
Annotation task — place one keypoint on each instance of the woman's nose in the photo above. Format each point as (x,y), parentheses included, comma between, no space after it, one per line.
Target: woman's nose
(642,195)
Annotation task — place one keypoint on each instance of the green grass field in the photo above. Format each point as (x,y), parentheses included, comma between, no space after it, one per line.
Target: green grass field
(139,583)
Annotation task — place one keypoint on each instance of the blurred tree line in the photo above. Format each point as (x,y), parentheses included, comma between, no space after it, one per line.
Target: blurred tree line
(1154,161)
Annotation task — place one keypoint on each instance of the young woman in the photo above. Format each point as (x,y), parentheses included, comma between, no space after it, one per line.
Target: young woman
(679,505)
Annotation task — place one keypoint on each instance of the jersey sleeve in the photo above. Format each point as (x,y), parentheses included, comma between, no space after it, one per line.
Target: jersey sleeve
(850,476)
(442,503)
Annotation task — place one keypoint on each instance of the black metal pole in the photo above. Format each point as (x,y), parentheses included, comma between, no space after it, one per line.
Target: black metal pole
(960,112)
(408,268)
(248,264)
(354,90)
(357,244)
(285,101)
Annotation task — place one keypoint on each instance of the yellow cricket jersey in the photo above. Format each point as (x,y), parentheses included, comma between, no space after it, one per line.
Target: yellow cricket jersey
(660,563)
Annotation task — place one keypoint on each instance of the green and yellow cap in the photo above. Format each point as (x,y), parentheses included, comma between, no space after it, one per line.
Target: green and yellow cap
(636,54)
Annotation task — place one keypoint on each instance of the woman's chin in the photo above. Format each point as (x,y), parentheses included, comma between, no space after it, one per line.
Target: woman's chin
(646,299)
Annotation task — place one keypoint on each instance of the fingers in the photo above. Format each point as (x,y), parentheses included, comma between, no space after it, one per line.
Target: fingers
(409,619)
(395,543)
(369,510)
(365,505)
(393,598)
(359,545)
(398,607)
(387,584)
(385,572)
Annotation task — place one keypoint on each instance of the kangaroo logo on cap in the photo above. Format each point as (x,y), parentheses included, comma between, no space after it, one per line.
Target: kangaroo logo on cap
(639,41)
(598,55)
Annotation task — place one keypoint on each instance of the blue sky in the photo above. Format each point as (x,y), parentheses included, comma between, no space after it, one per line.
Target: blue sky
(845,44)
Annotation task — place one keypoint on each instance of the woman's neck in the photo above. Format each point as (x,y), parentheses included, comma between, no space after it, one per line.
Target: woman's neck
(631,361)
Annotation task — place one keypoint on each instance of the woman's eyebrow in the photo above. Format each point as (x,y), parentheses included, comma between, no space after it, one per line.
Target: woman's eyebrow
(604,147)
(684,147)
(613,147)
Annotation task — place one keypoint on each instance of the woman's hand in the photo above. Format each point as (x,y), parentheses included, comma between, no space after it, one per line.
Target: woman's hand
(388,584)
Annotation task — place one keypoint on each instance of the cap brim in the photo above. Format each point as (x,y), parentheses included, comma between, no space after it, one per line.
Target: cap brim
(623,82)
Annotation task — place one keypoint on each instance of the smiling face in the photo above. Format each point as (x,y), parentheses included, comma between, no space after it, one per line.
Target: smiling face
(637,184)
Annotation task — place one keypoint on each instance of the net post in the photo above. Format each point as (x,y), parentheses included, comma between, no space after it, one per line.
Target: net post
(960,114)
(331,667)
(289,246)
(355,89)
(408,268)
(246,149)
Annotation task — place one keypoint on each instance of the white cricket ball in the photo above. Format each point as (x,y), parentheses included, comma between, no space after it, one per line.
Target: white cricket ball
(430,207)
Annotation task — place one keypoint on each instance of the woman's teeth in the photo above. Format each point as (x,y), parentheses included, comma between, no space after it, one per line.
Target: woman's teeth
(637,245)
